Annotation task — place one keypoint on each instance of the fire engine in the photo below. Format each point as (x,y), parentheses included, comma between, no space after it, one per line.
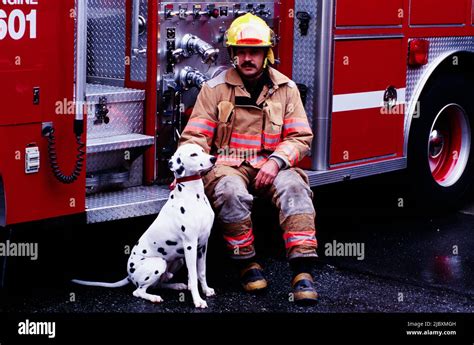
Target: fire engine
(94,94)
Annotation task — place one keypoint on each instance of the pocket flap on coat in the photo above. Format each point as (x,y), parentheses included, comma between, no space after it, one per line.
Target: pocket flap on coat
(225,109)
(275,113)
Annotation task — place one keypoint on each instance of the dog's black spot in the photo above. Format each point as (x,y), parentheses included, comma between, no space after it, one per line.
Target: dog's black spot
(199,255)
(180,170)
(194,154)
(183,229)
(198,196)
(180,251)
(202,165)
(144,251)
(134,253)
(156,272)
(172,196)
(171,243)
(147,278)
(132,264)
(182,210)
(180,188)
(142,259)
(161,250)
(189,248)
(132,270)
(178,160)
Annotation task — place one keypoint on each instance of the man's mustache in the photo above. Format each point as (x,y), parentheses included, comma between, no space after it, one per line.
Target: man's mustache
(248,64)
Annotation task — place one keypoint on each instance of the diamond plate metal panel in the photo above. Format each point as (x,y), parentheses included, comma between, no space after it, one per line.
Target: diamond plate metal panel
(440,48)
(124,118)
(113,93)
(304,54)
(138,66)
(106,39)
(103,161)
(125,111)
(119,142)
(132,202)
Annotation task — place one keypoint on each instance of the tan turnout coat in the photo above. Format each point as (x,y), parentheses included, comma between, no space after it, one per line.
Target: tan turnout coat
(226,123)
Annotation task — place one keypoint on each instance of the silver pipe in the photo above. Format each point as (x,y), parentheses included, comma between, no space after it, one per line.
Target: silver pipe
(190,77)
(136,50)
(135,14)
(322,121)
(81,62)
(192,44)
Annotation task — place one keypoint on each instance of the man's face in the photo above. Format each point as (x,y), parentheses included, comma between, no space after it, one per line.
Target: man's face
(249,61)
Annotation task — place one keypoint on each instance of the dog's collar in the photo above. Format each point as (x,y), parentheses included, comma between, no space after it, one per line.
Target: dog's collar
(188,178)
(184,179)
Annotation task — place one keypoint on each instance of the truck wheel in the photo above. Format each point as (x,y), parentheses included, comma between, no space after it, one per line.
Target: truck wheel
(440,153)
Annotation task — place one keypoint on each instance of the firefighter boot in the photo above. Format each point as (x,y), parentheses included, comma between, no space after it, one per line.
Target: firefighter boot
(304,292)
(252,279)
(303,289)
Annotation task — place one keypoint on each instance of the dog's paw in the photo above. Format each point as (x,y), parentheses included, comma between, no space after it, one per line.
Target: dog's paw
(156,299)
(181,286)
(200,303)
(209,292)
(166,277)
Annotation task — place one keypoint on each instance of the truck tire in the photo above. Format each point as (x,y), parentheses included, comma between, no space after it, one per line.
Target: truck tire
(440,151)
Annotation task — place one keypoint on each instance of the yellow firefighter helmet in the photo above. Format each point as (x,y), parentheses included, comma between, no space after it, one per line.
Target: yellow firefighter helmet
(252,32)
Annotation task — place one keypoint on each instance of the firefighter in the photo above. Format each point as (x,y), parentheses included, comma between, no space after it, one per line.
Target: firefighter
(252,118)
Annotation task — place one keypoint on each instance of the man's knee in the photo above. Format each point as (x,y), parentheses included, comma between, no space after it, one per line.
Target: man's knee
(232,199)
(293,194)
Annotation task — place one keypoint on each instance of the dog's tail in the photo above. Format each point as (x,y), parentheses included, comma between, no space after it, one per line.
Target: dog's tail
(120,283)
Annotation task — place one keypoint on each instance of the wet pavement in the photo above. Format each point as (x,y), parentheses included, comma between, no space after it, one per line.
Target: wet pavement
(408,261)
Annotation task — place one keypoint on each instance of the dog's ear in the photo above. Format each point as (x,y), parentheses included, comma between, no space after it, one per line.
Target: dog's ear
(171,164)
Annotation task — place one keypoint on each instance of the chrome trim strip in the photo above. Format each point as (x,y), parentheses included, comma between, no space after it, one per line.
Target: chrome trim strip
(365,27)
(3,208)
(366,37)
(365,160)
(81,58)
(318,178)
(320,149)
(415,26)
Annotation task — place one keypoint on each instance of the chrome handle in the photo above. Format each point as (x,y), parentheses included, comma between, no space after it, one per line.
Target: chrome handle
(137,20)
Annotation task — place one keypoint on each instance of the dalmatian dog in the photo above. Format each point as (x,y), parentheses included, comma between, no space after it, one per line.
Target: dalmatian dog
(178,235)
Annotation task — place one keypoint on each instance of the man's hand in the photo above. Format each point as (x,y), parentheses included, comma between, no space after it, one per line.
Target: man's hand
(267,174)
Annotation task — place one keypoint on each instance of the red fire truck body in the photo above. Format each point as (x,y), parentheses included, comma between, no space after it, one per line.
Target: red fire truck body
(94,93)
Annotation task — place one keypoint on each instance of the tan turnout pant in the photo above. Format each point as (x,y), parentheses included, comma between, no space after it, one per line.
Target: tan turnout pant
(229,190)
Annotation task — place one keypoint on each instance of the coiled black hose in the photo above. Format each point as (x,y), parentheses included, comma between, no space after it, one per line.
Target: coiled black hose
(53,158)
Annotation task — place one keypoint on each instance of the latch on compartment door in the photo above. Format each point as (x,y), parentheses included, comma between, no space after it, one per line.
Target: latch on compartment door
(32,159)
(304,19)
